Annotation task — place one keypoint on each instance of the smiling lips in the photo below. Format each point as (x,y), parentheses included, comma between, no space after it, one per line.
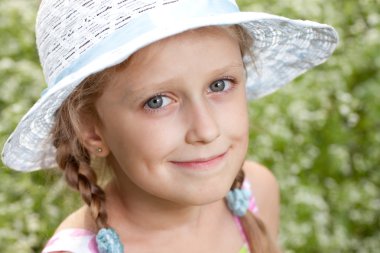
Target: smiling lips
(200,164)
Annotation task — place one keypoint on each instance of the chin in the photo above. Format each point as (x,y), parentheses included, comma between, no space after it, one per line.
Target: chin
(208,195)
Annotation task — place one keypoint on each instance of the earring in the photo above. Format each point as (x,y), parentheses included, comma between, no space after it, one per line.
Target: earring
(99,149)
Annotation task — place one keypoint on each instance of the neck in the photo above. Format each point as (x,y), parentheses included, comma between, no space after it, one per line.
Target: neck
(144,222)
(146,213)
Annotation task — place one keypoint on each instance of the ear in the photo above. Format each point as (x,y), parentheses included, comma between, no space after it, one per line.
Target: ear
(93,140)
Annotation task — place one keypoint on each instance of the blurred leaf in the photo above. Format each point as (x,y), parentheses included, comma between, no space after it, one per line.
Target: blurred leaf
(320,135)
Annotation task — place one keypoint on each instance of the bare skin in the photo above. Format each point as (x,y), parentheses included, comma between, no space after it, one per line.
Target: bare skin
(174,164)
(265,190)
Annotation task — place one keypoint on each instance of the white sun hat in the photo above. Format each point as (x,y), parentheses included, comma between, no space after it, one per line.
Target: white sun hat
(76,38)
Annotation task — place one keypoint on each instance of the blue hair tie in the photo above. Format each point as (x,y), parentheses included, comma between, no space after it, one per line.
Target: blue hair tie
(238,201)
(108,241)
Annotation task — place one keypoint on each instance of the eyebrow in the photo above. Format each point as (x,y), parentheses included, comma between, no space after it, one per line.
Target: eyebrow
(140,91)
(225,69)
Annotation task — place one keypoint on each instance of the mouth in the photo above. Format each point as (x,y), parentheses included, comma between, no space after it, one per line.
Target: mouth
(201,163)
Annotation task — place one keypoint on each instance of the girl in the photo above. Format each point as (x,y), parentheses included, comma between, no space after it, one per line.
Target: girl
(157,89)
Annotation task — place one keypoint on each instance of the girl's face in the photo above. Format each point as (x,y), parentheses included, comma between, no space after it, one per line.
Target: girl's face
(175,118)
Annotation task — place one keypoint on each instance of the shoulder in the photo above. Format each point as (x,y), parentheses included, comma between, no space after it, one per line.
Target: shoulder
(266,193)
(80,219)
(262,179)
(73,240)
(74,234)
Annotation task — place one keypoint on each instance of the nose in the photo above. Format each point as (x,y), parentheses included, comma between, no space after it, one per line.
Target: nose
(203,126)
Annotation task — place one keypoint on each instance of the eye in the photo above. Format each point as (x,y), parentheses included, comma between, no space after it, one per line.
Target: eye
(157,102)
(220,85)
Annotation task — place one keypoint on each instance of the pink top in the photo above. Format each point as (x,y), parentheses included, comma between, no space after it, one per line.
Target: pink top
(78,240)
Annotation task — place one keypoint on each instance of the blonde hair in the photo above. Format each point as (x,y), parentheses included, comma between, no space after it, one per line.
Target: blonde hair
(75,161)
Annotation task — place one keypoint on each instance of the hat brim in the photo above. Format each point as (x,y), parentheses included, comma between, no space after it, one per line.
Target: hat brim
(283,50)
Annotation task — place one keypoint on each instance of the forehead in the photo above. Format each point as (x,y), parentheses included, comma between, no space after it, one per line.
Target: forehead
(181,64)
(146,54)
(200,52)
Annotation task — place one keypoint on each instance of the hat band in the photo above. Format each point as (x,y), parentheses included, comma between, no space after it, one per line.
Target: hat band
(146,23)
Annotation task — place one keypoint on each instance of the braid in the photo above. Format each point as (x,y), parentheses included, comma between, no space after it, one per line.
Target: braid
(80,176)
(258,238)
(74,160)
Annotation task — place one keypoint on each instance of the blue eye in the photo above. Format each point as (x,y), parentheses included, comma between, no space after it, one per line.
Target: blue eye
(157,102)
(220,85)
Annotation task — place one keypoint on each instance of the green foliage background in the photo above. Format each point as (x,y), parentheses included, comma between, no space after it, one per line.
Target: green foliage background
(320,135)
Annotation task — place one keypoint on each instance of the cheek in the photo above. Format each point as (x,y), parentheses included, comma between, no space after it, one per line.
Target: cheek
(146,141)
(234,121)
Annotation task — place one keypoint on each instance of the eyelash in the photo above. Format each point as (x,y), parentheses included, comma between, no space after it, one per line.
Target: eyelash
(232,83)
(231,80)
(152,110)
